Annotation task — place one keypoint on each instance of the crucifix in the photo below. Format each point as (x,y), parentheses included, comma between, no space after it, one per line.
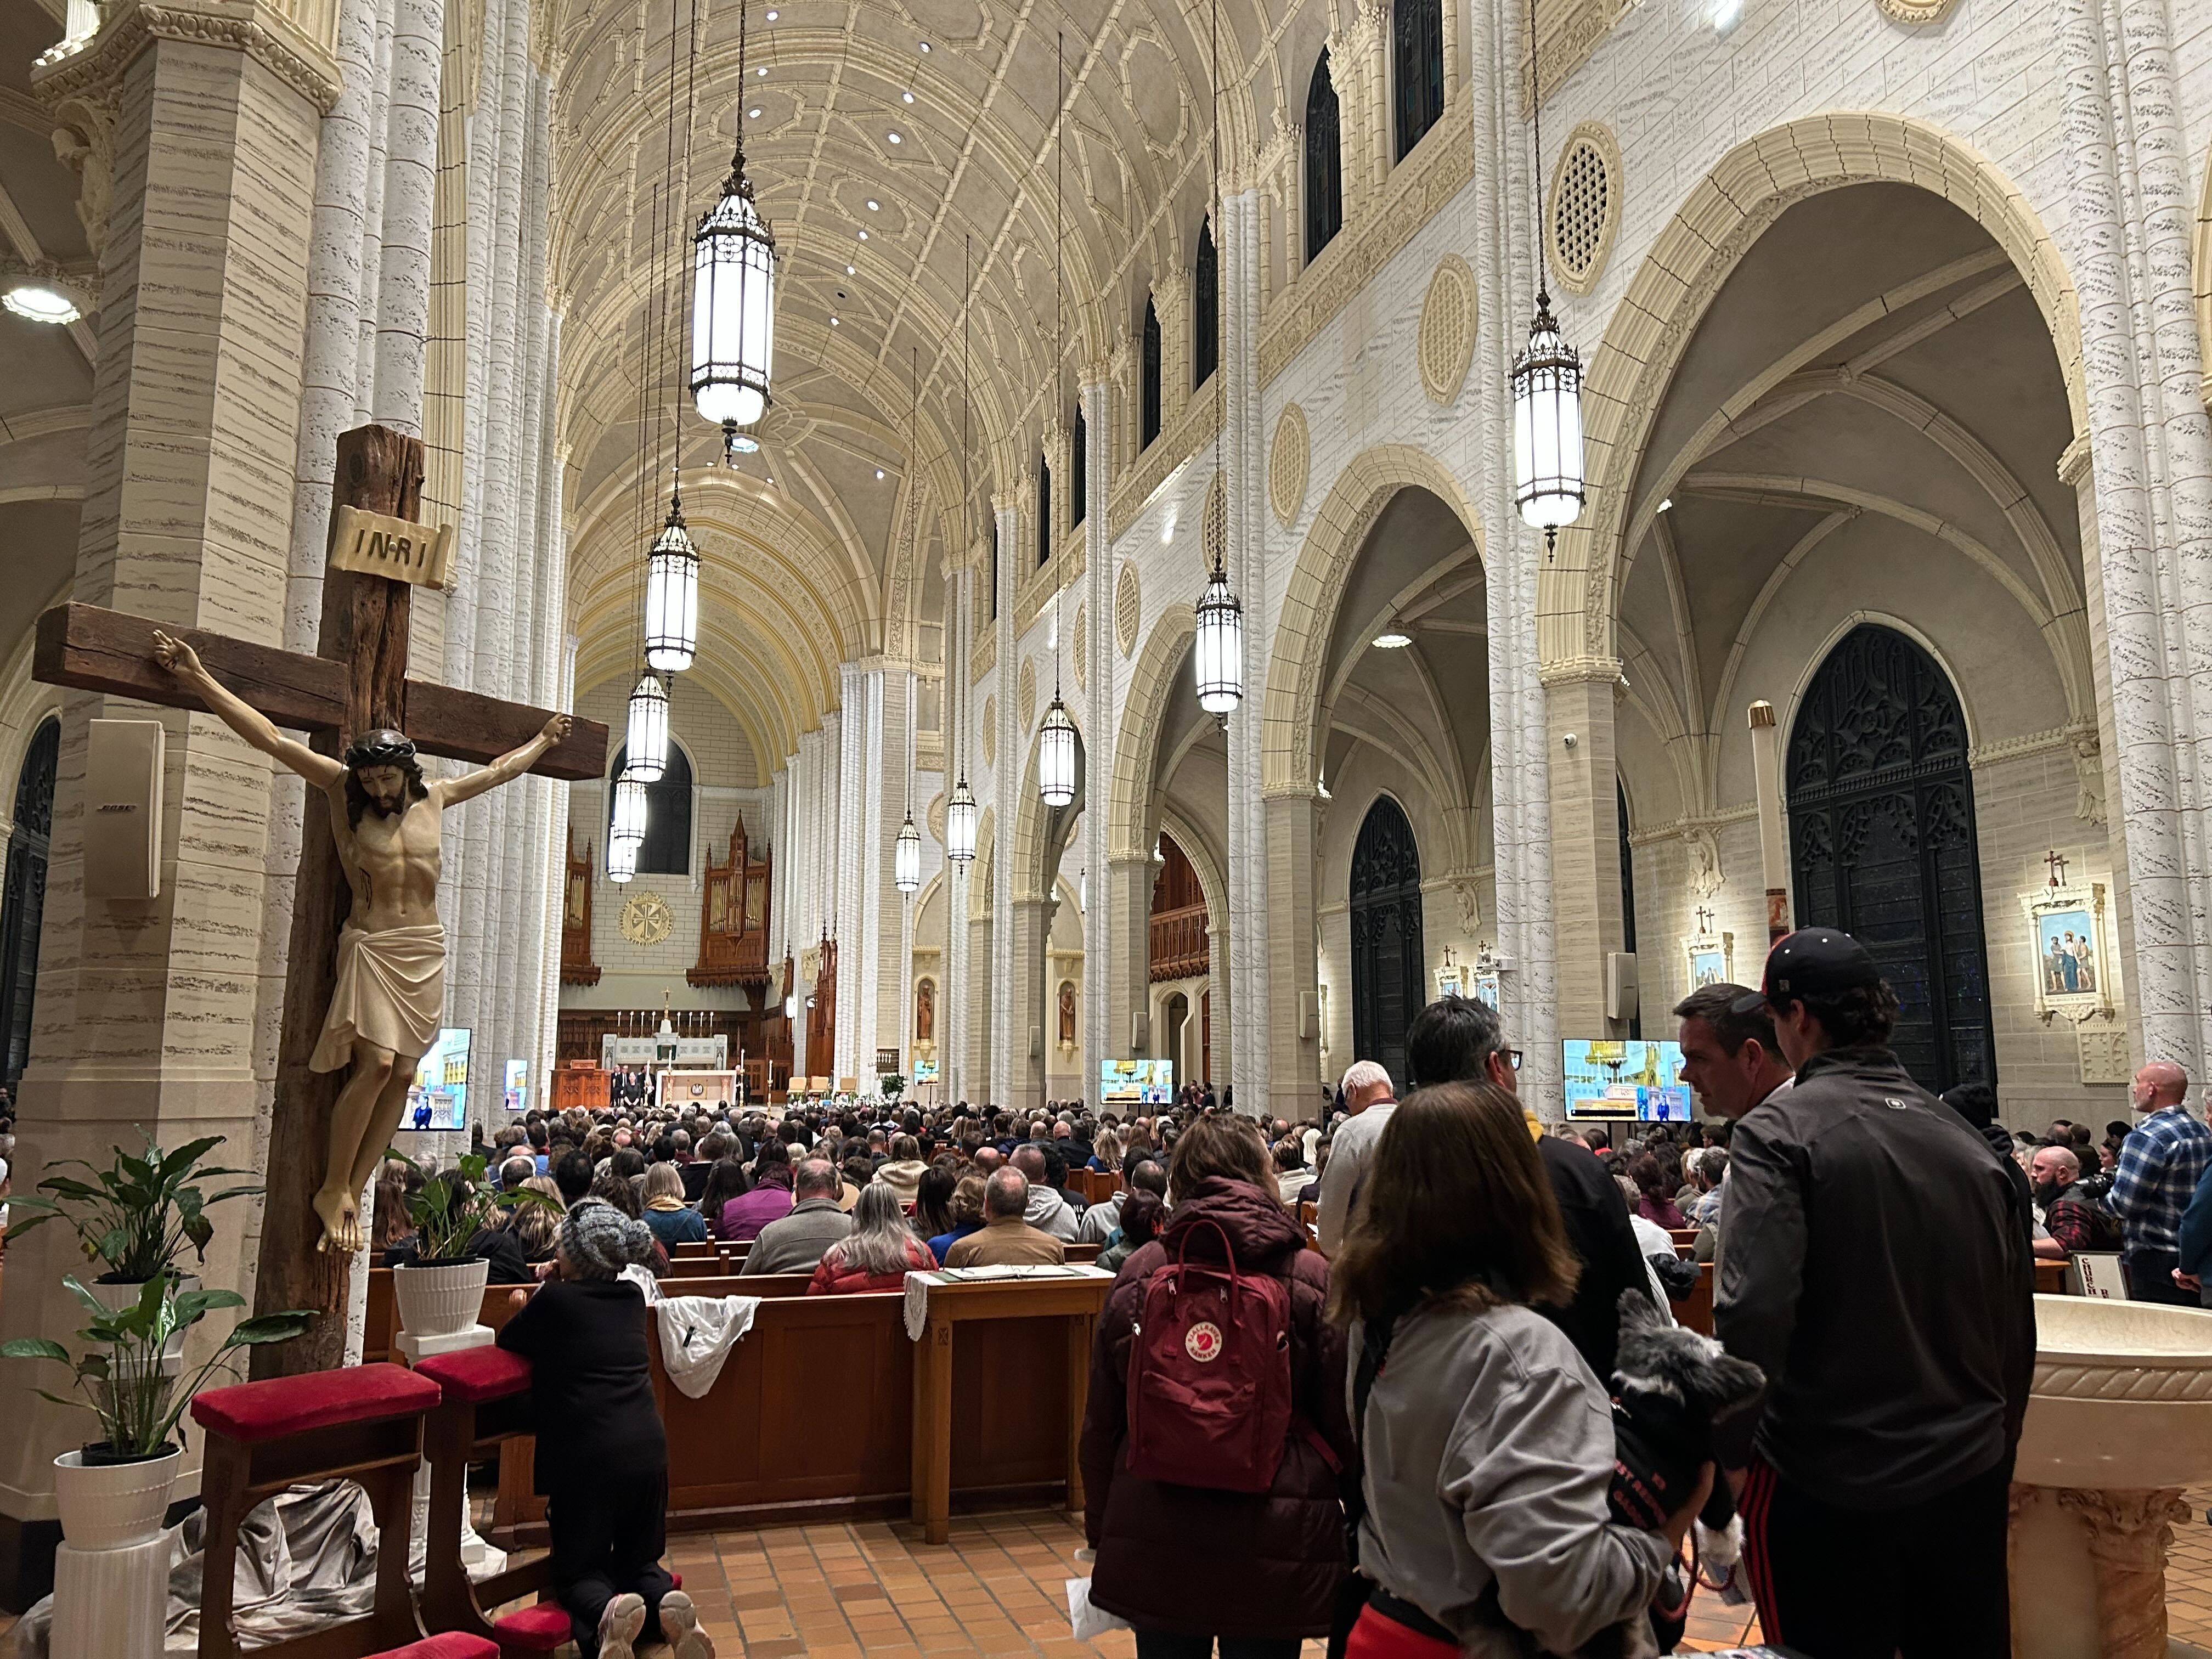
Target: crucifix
(2058,869)
(1705,921)
(366,954)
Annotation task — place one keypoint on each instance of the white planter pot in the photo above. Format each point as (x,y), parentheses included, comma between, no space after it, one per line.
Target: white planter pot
(114,1506)
(440,1301)
(116,1298)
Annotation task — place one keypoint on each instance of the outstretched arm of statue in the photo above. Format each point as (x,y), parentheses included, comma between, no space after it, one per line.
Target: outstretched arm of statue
(513,764)
(250,723)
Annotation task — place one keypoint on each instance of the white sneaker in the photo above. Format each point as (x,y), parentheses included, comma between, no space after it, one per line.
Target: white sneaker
(620,1626)
(679,1627)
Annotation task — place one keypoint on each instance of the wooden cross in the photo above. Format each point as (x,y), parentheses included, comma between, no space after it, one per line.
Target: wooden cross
(2058,869)
(355,681)
(1704,920)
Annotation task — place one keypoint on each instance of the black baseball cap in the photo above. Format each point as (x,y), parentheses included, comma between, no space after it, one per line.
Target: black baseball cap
(1811,962)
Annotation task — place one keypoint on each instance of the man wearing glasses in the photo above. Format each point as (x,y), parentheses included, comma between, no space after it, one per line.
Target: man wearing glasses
(1457,1040)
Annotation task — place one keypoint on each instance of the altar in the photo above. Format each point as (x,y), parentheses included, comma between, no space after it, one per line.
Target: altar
(685,1089)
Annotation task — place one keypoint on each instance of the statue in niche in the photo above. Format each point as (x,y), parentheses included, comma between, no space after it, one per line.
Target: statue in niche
(1703,853)
(924,1011)
(2088,777)
(1066,1015)
(391,990)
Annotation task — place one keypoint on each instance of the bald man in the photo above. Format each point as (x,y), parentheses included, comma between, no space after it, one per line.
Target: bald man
(2161,1162)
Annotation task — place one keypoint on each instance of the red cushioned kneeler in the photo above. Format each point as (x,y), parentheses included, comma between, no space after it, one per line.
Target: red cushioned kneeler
(451,1645)
(477,1375)
(362,1424)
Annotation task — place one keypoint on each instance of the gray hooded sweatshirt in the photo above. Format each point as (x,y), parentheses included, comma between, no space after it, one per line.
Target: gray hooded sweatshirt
(1489,1451)
(1049,1212)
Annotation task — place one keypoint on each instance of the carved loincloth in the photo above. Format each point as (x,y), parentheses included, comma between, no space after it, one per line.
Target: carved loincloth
(390,993)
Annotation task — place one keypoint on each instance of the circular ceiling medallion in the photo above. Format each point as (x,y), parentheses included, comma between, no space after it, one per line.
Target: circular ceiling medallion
(1584,211)
(1447,335)
(991,731)
(647,920)
(1129,602)
(1288,457)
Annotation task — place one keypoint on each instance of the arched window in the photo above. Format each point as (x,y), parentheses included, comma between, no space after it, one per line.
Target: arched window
(1882,827)
(1417,65)
(26,901)
(1079,467)
(1044,511)
(667,848)
(1206,309)
(1627,894)
(1324,161)
(1387,974)
(1148,378)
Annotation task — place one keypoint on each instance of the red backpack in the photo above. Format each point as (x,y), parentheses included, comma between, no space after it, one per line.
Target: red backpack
(1210,1374)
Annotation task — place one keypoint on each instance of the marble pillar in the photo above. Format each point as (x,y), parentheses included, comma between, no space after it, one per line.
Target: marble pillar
(145,1013)
(1293,1022)
(1585,783)
(1009,1021)
(1105,947)
(1127,972)
(1031,1032)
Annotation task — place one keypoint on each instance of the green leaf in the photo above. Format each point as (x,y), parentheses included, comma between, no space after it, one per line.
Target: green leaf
(34,1347)
(271,1327)
(181,1162)
(74,1404)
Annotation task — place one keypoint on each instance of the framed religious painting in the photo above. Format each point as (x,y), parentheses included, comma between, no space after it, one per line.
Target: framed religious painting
(2072,958)
(1711,958)
(1484,988)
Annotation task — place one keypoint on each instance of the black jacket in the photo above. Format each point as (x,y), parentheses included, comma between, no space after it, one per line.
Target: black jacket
(591,1381)
(1595,1212)
(1878,1269)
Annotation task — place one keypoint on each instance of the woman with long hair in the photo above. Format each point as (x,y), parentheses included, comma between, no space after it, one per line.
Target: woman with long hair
(672,1221)
(725,1182)
(1187,1565)
(536,1227)
(1466,1398)
(967,1216)
(1655,1190)
(1106,1153)
(879,1252)
(769,1199)
(932,1201)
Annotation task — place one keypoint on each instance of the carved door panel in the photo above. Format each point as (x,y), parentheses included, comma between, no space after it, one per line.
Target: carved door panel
(1881,814)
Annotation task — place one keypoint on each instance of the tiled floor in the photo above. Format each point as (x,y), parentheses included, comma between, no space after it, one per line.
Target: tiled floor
(840,1591)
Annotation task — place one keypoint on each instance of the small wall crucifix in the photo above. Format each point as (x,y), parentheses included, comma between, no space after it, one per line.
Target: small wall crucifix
(2058,869)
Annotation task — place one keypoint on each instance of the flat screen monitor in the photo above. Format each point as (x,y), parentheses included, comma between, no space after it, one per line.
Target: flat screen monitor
(1627,1080)
(1137,1082)
(518,1086)
(439,1096)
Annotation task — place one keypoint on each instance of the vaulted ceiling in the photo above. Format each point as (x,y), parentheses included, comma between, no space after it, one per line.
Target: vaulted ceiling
(904,154)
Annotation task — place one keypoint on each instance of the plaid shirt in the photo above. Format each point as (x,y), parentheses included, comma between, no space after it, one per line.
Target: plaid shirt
(2160,1162)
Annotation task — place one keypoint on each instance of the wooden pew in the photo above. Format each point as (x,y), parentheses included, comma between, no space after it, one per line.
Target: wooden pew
(2050,1277)
(705,1249)
(1696,1310)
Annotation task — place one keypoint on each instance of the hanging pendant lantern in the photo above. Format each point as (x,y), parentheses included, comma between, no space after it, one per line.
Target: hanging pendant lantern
(1219,650)
(960,824)
(1056,755)
(644,746)
(627,834)
(671,595)
(1547,427)
(906,856)
(733,297)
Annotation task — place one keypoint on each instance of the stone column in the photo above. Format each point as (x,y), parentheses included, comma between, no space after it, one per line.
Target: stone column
(1293,1029)
(852,848)
(145,1015)
(1127,911)
(2129,1533)
(1030,1031)
(1009,1030)
(1585,843)
(1251,917)
(1103,1038)
(954,1009)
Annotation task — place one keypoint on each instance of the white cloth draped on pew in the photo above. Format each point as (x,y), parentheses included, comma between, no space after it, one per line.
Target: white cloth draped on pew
(697,1335)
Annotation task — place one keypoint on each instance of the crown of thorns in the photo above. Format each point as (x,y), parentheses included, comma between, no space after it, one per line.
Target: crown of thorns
(382,748)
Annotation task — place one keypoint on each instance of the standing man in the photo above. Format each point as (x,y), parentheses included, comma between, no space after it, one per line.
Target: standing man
(2161,1161)
(1877,1270)
(1733,1063)
(1367,1103)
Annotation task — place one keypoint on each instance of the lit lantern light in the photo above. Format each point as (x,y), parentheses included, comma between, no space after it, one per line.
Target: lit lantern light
(960,824)
(628,834)
(646,743)
(1056,755)
(906,856)
(1547,427)
(1219,649)
(732,298)
(671,595)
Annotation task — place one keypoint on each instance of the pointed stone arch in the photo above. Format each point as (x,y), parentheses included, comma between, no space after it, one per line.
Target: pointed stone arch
(1152,679)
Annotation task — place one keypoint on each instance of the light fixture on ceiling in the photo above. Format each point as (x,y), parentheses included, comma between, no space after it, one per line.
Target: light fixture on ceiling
(1218,649)
(644,746)
(864,236)
(849,271)
(1547,380)
(880,475)
(960,806)
(626,833)
(753,115)
(906,98)
(925,45)
(906,856)
(833,322)
(733,298)
(45,300)
(1666,503)
(895,138)
(1394,637)
(761,72)
(874,206)
(671,594)
(1056,737)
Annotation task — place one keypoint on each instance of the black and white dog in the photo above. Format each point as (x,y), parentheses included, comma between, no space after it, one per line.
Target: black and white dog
(1670,1385)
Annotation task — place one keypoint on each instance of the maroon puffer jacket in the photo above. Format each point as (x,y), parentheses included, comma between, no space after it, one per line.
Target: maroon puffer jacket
(1188,1560)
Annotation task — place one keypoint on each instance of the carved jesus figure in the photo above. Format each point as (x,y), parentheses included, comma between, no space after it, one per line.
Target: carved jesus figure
(391,988)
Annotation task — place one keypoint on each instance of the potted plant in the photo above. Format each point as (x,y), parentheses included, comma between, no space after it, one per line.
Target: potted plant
(440,1291)
(114,1491)
(135,1217)
(893,1085)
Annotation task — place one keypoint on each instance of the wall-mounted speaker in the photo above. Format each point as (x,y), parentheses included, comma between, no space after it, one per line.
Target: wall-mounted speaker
(123,809)
(1621,995)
